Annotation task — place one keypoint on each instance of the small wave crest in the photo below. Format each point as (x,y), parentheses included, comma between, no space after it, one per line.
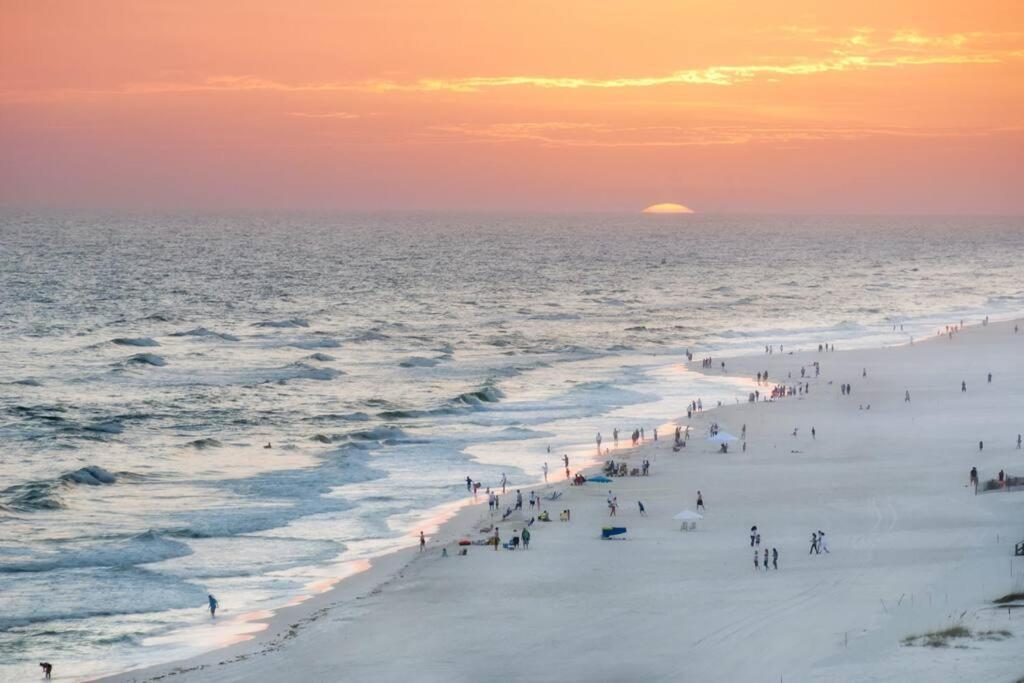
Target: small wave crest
(283,324)
(135,341)
(208,442)
(203,332)
(148,359)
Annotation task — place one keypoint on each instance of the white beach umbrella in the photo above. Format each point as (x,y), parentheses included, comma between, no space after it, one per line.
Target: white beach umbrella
(721,437)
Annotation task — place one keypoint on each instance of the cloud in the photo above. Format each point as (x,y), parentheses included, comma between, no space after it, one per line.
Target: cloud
(343,115)
(863,49)
(570,134)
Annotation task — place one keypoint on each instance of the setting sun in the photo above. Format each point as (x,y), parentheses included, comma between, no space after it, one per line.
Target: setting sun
(668,207)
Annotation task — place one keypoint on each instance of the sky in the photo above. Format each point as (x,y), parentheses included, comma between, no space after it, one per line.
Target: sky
(775,107)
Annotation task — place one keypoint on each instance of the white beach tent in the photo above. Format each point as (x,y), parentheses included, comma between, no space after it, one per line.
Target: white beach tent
(689,519)
(721,437)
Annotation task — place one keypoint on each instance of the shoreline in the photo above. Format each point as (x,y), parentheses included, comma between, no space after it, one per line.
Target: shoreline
(457,519)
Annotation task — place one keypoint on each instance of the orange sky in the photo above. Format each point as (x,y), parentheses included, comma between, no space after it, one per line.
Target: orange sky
(871,107)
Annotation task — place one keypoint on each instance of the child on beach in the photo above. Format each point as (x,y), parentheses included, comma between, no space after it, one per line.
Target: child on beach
(611,507)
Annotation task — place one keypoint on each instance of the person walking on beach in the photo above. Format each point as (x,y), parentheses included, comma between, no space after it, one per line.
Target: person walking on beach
(990,378)
(814,544)
(504,482)
(643,510)
(1018,442)
(822,543)
(423,541)
(611,507)
(599,442)
(981,445)
(814,434)
(545,473)
(963,386)
(469,484)
(519,500)
(775,558)
(214,604)
(753,533)
(906,396)
(700,500)
(974,478)
(532,500)
(496,539)
(756,556)
(526,539)
(615,436)
(766,559)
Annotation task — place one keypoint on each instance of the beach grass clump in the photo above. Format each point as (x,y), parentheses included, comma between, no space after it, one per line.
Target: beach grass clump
(938,638)
(947,636)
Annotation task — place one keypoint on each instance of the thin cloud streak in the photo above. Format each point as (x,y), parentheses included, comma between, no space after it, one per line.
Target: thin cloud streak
(859,51)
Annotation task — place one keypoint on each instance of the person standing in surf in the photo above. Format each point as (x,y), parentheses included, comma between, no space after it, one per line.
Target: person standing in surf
(214,604)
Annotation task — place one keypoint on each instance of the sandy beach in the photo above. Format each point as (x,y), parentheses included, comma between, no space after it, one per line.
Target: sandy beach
(912,548)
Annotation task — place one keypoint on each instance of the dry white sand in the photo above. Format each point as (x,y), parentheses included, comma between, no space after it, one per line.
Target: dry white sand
(913,550)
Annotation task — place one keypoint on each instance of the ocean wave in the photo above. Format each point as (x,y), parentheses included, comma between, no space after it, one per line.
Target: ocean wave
(323,343)
(28,382)
(135,341)
(369,336)
(93,475)
(203,332)
(419,362)
(338,417)
(322,357)
(45,494)
(291,322)
(300,370)
(148,359)
(107,427)
(208,442)
(382,433)
(141,549)
(485,394)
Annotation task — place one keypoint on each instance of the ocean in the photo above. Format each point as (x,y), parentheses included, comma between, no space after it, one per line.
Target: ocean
(147,360)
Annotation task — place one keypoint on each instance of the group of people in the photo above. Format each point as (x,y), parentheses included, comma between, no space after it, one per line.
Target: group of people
(755,543)
(818,543)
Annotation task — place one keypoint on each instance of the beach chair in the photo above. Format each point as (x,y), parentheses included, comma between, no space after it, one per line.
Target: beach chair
(612,531)
(555,495)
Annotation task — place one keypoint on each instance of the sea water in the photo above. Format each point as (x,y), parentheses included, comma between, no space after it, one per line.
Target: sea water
(147,360)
